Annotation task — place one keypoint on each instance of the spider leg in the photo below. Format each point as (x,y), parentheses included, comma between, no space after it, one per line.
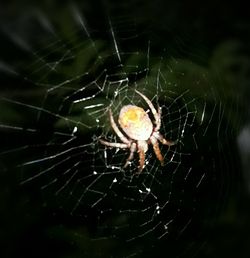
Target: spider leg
(152,108)
(131,155)
(115,144)
(117,130)
(160,137)
(158,123)
(157,150)
(142,149)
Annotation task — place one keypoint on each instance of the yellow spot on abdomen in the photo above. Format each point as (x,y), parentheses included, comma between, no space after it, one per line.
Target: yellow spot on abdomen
(132,116)
(135,122)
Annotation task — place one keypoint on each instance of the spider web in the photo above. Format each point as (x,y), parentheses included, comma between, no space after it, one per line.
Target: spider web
(59,112)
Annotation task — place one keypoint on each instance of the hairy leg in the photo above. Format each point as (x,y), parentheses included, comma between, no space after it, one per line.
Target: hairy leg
(115,144)
(131,155)
(151,106)
(157,150)
(159,137)
(142,149)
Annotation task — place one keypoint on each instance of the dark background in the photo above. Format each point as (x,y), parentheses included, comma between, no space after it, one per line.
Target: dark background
(206,33)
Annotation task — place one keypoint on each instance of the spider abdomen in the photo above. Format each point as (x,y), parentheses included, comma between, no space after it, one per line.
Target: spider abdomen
(135,122)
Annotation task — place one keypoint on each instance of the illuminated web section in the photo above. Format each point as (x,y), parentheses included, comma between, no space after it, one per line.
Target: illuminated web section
(68,91)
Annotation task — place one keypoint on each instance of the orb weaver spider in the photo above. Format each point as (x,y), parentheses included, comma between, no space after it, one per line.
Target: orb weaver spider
(140,132)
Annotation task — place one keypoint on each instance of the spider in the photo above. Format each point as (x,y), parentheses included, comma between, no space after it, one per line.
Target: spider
(139,130)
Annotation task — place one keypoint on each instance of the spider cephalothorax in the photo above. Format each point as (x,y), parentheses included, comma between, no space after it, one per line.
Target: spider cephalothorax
(139,130)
